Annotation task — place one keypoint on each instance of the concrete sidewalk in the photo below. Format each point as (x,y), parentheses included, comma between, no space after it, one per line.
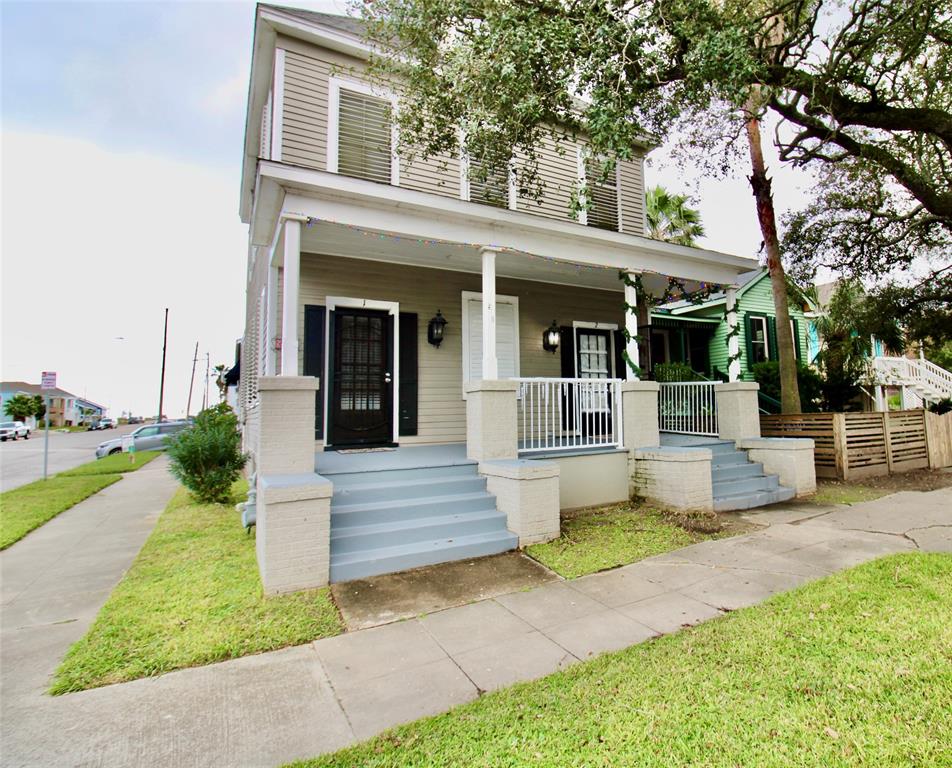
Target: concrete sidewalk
(268,709)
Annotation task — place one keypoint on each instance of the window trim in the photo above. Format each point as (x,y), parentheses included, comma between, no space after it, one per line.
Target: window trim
(610,327)
(334,85)
(583,156)
(466,297)
(762,319)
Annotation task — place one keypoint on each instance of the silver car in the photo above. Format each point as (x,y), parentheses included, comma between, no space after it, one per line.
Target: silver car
(11,430)
(151,437)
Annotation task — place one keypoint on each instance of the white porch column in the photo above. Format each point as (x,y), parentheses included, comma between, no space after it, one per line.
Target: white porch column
(292,282)
(490,363)
(271,358)
(631,326)
(733,344)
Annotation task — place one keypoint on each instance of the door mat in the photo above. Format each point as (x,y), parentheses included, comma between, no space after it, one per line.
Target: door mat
(367,450)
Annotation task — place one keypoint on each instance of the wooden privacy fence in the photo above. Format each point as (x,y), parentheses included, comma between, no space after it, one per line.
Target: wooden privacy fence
(855,445)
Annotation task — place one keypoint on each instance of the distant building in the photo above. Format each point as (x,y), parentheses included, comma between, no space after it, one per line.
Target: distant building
(65,409)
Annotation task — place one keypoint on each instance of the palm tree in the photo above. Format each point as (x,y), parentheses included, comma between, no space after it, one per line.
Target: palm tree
(670,218)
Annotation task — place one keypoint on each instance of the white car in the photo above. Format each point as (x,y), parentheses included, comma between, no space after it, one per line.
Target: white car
(11,430)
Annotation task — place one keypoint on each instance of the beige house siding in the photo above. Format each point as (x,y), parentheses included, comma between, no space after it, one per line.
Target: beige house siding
(441,410)
(308,70)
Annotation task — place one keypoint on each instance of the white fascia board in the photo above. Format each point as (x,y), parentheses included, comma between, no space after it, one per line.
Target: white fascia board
(680,318)
(696,307)
(262,68)
(365,204)
(315,33)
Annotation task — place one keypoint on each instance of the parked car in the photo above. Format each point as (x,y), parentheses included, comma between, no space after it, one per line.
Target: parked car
(151,437)
(105,423)
(11,430)
(135,420)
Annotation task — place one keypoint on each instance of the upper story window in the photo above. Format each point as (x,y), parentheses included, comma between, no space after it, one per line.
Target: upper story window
(602,211)
(361,141)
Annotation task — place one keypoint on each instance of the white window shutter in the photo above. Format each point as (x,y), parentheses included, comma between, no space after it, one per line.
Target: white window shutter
(507,339)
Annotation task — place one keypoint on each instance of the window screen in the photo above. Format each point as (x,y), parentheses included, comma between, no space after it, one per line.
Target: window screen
(364,137)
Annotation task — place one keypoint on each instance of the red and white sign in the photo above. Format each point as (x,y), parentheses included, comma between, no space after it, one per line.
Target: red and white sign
(48,380)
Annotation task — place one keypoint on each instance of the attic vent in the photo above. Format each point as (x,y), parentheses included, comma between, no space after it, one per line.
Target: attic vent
(364,141)
(603,191)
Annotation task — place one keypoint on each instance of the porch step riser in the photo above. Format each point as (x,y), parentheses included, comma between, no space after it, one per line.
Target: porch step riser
(751,500)
(352,479)
(746,485)
(359,565)
(736,471)
(724,458)
(417,489)
(424,530)
(349,515)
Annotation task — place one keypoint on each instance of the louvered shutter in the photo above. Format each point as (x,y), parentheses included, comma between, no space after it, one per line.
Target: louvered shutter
(603,192)
(506,339)
(364,147)
(772,349)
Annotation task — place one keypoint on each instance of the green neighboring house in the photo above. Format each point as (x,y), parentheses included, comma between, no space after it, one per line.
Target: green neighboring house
(696,334)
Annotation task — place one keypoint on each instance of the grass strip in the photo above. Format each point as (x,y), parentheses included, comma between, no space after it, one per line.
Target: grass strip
(851,670)
(26,508)
(192,596)
(607,537)
(118,463)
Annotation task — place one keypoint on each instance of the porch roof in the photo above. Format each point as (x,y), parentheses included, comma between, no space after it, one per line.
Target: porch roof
(362,219)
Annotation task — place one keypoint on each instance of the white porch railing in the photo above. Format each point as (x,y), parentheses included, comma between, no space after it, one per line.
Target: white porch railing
(569,414)
(687,407)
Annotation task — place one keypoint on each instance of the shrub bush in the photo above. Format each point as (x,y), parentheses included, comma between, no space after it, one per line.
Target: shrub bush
(809,383)
(674,372)
(207,457)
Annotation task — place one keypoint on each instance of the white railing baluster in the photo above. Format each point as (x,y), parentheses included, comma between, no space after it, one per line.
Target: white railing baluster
(687,407)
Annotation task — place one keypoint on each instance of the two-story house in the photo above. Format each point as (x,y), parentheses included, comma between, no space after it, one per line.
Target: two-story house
(422,303)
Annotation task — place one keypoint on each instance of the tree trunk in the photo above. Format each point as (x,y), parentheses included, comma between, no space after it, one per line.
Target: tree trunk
(760,185)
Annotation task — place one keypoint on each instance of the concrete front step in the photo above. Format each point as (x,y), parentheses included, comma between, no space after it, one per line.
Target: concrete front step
(727,458)
(381,476)
(359,493)
(379,512)
(361,564)
(734,471)
(745,485)
(355,538)
(750,500)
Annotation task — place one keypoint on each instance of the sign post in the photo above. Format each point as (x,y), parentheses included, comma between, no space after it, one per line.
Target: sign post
(47,381)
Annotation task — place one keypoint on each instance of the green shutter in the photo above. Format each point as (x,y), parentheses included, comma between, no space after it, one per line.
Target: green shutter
(796,338)
(748,347)
(772,338)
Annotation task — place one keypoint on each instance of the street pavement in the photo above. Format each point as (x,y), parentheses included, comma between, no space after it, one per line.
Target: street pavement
(271,708)
(21,462)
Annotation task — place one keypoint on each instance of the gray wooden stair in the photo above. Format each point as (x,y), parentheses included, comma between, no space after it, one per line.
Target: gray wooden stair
(739,483)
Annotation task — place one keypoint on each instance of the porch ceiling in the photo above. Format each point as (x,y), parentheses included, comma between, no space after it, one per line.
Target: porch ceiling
(361,219)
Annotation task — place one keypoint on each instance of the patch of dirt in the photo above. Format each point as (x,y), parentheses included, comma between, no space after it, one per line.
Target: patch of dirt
(915,480)
(707,523)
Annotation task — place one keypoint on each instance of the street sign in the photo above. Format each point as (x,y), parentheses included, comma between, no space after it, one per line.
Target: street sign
(48,380)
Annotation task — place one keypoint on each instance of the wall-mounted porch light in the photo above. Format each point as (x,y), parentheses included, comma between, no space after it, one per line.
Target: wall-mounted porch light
(434,329)
(551,337)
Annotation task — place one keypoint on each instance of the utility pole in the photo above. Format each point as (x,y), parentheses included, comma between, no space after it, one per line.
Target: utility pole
(207,373)
(191,382)
(165,340)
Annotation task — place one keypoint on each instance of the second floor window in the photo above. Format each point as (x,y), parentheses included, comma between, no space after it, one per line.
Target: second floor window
(365,139)
(603,195)
(491,190)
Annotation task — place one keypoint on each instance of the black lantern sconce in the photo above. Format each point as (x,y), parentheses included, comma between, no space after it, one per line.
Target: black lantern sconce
(551,337)
(434,329)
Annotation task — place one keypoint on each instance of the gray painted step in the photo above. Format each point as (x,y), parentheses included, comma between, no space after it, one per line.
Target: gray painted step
(719,446)
(722,458)
(377,512)
(746,485)
(733,471)
(356,565)
(356,538)
(407,489)
(751,500)
(349,479)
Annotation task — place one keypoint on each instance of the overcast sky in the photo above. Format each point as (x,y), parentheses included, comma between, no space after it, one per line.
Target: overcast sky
(120,154)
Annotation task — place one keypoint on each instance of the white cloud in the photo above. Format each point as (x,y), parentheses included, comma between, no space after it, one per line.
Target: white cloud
(95,244)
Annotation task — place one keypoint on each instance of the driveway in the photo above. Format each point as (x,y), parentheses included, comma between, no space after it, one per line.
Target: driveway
(21,462)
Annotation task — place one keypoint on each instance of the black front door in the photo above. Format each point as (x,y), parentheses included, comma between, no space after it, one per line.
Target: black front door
(361,395)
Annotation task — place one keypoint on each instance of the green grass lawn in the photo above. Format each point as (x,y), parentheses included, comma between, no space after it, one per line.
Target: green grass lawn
(606,537)
(838,492)
(192,596)
(118,463)
(25,508)
(855,669)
